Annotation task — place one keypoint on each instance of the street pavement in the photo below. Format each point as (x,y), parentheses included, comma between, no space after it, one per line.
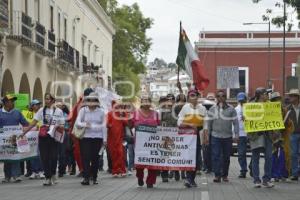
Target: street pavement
(110,188)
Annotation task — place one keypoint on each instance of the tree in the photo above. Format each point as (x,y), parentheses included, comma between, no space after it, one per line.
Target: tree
(159,63)
(130,43)
(278,20)
(172,66)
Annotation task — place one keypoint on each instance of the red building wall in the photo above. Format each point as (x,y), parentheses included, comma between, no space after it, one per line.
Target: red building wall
(256,59)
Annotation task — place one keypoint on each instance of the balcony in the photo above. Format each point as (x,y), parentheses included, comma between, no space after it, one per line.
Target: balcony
(4,23)
(66,53)
(77,59)
(85,67)
(32,35)
(22,28)
(40,32)
(51,43)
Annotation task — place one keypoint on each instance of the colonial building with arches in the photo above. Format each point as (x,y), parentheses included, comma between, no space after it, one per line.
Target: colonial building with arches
(54,46)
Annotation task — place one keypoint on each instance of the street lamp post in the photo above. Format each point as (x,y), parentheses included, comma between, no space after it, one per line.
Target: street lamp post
(269,48)
(283,49)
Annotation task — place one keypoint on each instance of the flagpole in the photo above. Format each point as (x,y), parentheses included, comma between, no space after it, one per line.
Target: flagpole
(178,65)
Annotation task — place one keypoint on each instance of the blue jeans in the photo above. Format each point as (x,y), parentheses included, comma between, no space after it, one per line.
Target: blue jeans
(221,146)
(295,148)
(267,150)
(12,169)
(130,151)
(242,154)
(36,165)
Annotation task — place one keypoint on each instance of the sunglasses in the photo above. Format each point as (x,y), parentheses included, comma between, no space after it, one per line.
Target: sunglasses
(221,95)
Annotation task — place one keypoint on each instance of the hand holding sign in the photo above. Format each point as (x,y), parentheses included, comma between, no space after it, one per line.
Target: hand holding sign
(262,116)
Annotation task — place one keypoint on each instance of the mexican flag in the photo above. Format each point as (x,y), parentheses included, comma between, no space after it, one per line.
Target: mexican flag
(188,60)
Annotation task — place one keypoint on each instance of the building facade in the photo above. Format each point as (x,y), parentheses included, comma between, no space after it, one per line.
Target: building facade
(259,65)
(58,46)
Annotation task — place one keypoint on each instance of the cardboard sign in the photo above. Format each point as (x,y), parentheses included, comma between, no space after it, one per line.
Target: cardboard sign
(262,116)
(165,148)
(228,77)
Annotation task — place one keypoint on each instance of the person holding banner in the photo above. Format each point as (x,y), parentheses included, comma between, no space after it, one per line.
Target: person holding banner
(168,119)
(294,115)
(10,117)
(35,163)
(92,118)
(222,117)
(192,115)
(49,115)
(145,116)
(261,142)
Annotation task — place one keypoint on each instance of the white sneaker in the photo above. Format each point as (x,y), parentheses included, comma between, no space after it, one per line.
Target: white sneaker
(41,175)
(6,180)
(268,184)
(47,182)
(33,176)
(129,173)
(257,185)
(54,180)
(16,179)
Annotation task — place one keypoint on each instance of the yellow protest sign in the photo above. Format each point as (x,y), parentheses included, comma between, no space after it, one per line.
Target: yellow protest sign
(262,116)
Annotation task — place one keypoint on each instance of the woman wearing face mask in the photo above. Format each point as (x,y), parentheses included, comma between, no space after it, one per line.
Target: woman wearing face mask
(192,115)
(145,116)
(49,115)
(92,118)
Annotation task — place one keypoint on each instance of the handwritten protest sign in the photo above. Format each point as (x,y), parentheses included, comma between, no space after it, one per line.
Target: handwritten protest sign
(262,116)
(165,148)
(9,138)
(22,101)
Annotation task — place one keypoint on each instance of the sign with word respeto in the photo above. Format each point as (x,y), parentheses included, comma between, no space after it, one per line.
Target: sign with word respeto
(262,116)
(9,136)
(165,148)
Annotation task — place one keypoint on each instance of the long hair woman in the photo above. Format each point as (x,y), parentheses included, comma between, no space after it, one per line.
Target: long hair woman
(49,115)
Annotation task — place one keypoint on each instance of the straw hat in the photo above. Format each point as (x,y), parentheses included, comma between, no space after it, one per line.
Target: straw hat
(294,92)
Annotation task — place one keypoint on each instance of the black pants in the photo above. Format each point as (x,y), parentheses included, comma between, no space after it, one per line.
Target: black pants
(89,150)
(62,158)
(48,152)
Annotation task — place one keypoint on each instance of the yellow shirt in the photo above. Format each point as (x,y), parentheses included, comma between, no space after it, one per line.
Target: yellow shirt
(28,115)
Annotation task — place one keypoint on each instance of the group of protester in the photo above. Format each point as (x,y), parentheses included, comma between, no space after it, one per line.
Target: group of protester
(218,125)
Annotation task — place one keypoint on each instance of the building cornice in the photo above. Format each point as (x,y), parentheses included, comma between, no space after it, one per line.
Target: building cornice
(101,15)
(246,43)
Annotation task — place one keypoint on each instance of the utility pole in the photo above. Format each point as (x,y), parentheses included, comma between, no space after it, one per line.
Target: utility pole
(283,49)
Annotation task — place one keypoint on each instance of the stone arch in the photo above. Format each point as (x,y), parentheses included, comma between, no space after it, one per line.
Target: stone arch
(24,85)
(7,83)
(37,90)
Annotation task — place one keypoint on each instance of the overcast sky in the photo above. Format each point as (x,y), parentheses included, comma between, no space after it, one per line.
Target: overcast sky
(197,15)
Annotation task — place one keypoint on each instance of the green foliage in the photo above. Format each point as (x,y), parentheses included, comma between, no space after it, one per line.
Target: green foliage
(130,44)
(279,20)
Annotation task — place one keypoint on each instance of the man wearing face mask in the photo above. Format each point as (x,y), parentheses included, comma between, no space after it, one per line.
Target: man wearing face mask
(222,117)
(168,119)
